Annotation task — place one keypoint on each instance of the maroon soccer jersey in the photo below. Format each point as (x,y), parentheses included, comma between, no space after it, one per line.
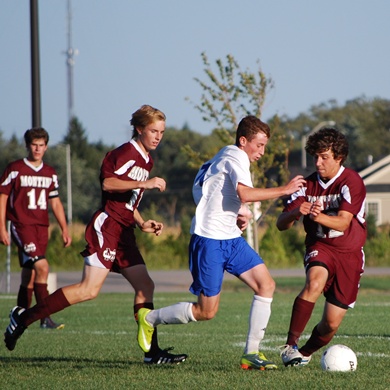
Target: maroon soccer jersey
(346,191)
(127,162)
(29,189)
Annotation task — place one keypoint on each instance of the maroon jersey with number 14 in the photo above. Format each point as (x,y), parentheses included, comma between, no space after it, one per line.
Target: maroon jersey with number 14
(29,189)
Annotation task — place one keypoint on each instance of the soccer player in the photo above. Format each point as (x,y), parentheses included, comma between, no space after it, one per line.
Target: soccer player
(27,188)
(111,244)
(332,206)
(221,186)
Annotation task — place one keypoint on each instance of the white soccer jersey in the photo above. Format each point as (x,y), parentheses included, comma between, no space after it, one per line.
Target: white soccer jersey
(215,193)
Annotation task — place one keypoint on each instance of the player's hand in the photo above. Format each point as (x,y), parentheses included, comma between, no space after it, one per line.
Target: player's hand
(152,226)
(295,184)
(242,222)
(4,237)
(66,239)
(155,182)
(244,216)
(315,210)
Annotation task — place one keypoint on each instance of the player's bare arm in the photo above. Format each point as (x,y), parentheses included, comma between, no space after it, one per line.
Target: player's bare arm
(287,218)
(339,222)
(149,226)
(248,194)
(112,184)
(4,236)
(59,213)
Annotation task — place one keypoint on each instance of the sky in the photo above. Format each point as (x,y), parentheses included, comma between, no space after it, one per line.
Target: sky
(149,52)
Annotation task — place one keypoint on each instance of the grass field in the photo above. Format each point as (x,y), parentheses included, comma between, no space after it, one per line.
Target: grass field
(97,349)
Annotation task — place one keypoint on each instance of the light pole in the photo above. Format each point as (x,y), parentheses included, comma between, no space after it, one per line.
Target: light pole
(69,184)
(68,164)
(304,138)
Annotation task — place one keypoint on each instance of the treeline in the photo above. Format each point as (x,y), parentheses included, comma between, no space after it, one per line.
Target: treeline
(366,122)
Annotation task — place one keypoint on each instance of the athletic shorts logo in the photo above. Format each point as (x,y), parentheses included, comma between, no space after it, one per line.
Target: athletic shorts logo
(28,248)
(311,255)
(109,255)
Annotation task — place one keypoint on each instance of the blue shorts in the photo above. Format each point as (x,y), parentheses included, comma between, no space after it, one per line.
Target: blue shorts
(209,259)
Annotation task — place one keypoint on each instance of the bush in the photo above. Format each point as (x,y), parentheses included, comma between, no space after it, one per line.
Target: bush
(377,248)
(282,249)
(170,251)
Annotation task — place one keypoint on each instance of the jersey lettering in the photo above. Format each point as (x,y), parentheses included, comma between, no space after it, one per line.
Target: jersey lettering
(35,181)
(138,173)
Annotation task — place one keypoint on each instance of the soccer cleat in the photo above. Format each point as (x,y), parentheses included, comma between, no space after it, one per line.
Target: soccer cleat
(145,330)
(256,361)
(305,360)
(15,329)
(162,356)
(48,323)
(292,357)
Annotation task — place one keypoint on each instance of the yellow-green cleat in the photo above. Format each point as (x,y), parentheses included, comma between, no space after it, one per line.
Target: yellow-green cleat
(256,361)
(145,330)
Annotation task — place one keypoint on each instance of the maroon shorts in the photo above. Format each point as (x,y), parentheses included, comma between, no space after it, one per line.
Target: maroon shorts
(110,245)
(31,241)
(345,270)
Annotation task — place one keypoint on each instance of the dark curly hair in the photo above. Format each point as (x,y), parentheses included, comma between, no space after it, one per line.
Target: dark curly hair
(328,138)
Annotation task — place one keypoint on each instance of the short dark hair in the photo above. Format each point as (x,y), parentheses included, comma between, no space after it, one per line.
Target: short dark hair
(144,116)
(328,138)
(249,126)
(36,133)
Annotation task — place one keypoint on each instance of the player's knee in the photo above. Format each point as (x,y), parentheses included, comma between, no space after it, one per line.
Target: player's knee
(271,286)
(149,286)
(200,314)
(205,316)
(314,286)
(266,289)
(328,326)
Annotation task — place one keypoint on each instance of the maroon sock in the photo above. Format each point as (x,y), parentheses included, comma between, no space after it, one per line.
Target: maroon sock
(52,304)
(25,297)
(40,291)
(315,342)
(300,316)
(154,346)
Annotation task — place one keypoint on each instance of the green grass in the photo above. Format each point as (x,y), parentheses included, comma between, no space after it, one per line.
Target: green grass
(97,349)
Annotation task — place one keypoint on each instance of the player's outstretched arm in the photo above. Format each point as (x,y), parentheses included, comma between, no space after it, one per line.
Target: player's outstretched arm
(113,184)
(249,194)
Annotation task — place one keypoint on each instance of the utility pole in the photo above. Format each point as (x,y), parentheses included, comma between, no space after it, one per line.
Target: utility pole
(35,102)
(35,71)
(70,53)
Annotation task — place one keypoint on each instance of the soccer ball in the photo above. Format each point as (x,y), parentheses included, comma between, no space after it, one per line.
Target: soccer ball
(339,358)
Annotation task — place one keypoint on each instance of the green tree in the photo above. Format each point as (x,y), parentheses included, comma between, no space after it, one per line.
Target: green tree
(365,122)
(231,93)
(77,139)
(11,150)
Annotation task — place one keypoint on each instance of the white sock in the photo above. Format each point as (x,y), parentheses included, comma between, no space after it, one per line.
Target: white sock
(258,320)
(180,313)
